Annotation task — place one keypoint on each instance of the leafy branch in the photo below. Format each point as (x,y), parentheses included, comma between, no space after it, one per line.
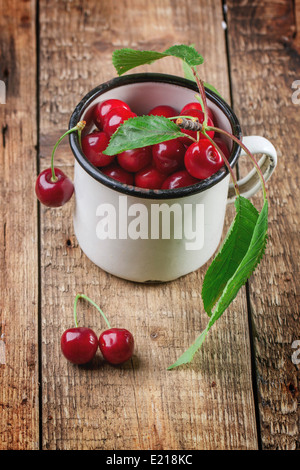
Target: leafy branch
(242,250)
(245,242)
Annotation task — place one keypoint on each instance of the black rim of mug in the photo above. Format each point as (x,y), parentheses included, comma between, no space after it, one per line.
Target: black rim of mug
(95,173)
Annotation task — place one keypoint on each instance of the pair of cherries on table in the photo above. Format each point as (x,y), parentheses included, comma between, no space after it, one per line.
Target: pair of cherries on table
(80,344)
(168,165)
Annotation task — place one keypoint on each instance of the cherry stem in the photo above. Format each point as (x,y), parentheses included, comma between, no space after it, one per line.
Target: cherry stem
(85,297)
(207,128)
(202,94)
(236,188)
(257,167)
(193,118)
(79,127)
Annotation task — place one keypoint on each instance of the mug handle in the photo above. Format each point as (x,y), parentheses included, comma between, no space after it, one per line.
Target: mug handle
(250,184)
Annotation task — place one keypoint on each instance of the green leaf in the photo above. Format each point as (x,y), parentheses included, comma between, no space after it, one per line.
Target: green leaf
(188,74)
(126,59)
(187,71)
(187,53)
(245,269)
(212,88)
(250,260)
(188,355)
(142,131)
(230,254)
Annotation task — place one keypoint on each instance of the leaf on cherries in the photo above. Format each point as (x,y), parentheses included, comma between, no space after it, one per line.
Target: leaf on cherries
(140,132)
(244,247)
(126,59)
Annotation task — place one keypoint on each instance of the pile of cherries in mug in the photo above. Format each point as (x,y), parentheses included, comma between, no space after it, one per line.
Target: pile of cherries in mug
(168,165)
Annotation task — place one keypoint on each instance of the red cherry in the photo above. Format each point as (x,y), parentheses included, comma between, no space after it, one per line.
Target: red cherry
(220,143)
(179,179)
(196,105)
(149,178)
(102,109)
(53,193)
(115,118)
(186,141)
(79,345)
(200,115)
(168,156)
(93,145)
(118,173)
(116,345)
(202,159)
(135,160)
(163,110)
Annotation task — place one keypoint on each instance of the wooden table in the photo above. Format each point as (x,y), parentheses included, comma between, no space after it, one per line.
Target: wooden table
(241,390)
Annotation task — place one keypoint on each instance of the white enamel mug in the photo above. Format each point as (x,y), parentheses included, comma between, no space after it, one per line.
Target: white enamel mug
(147,235)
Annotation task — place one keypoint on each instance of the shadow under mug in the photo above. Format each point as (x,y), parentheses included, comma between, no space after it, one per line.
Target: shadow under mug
(147,235)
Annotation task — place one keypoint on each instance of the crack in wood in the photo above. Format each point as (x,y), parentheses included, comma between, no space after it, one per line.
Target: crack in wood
(4,131)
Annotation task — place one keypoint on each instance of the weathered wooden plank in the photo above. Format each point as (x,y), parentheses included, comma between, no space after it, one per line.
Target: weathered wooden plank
(139,405)
(18,234)
(264,68)
(296,36)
